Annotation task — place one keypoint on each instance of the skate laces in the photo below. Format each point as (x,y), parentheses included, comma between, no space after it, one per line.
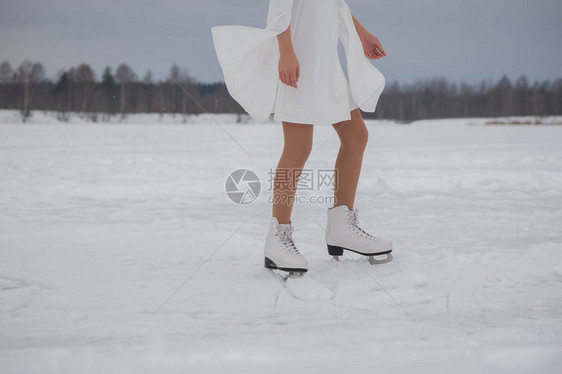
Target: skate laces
(286,238)
(353,219)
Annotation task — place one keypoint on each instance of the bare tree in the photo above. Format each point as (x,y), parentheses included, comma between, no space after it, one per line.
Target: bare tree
(465,95)
(522,97)
(556,94)
(174,79)
(187,91)
(61,93)
(7,76)
(85,77)
(6,72)
(71,76)
(27,74)
(124,76)
(23,77)
(147,80)
(539,98)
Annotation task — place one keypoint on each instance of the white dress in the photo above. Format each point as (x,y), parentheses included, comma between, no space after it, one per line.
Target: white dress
(249,59)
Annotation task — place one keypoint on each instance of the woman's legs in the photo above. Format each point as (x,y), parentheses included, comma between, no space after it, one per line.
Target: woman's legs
(296,149)
(353,136)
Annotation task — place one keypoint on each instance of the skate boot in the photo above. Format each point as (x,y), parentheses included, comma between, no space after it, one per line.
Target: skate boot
(343,233)
(280,250)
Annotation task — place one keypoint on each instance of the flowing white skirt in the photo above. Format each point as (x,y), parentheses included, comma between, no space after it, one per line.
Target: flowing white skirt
(249,59)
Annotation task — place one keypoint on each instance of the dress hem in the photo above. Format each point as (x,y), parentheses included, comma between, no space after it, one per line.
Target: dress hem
(311,122)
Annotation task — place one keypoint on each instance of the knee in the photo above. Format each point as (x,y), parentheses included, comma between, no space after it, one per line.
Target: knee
(363,137)
(356,139)
(298,151)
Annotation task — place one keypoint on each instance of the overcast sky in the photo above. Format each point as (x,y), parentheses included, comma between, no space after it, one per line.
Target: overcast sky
(466,40)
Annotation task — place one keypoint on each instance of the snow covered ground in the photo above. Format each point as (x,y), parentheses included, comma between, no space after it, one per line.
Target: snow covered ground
(120,252)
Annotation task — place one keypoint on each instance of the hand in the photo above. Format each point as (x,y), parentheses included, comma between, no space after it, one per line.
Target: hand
(289,69)
(371,46)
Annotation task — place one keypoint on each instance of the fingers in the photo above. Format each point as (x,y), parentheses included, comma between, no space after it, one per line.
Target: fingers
(380,50)
(374,50)
(282,77)
(290,78)
(294,78)
(374,53)
(286,78)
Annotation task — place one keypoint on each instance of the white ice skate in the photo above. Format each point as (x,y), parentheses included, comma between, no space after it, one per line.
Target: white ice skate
(280,250)
(343,233)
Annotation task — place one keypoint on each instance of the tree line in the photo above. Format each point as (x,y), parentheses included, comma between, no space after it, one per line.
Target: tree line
(120,92)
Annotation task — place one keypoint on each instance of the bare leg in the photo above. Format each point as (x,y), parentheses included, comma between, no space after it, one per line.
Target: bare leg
(296,149)
(353,136)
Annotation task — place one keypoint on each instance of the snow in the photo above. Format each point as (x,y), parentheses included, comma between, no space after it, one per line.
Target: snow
(120,251)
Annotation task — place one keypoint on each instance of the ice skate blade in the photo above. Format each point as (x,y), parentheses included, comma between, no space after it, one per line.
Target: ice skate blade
(336,250)
(269,264)
(374,261)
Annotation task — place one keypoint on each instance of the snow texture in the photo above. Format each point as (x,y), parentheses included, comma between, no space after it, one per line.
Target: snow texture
(120,251)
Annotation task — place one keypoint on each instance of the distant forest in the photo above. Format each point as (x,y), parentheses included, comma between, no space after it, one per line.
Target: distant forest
(119,93)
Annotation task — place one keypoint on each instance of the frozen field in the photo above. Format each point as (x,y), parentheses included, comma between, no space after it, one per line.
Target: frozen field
(120,252)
